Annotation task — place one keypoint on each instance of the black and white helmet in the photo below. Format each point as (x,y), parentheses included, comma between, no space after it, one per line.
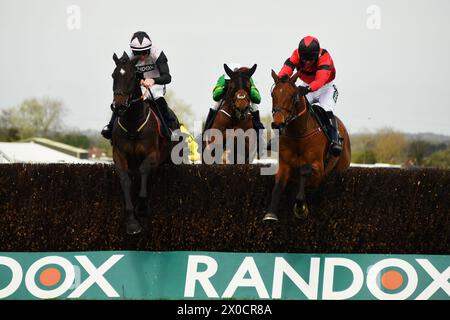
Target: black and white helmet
(140,41)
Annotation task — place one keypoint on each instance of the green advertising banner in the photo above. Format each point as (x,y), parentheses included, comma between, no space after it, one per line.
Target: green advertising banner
(221,275)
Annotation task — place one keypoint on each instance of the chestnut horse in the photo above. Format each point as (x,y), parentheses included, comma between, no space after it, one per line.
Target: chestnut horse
(234,112)
(137,145)
(303,146)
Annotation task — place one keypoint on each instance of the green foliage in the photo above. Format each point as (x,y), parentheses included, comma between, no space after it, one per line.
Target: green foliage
(33,117)
(365,157)
(182,109)
(74,139)
(386,145)
(390,146)
(439,159)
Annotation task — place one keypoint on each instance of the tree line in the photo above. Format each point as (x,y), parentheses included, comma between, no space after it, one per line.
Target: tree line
(44,118)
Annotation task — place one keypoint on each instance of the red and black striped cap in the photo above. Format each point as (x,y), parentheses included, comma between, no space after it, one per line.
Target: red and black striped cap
(309,48)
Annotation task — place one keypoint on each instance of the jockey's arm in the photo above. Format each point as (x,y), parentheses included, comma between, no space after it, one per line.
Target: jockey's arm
(289,65)
(163,67)
(322,75)
(219,88)
(323,72)
(254,93)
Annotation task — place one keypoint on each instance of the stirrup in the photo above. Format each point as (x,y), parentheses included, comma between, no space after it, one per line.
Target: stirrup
(335,148)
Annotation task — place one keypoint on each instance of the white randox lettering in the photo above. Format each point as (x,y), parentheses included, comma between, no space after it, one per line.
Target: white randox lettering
(16,279)
(56,292)
(373,284)
(96,276)
(282,267)
(328,279)
(193,275)
(248,265)
(440,280)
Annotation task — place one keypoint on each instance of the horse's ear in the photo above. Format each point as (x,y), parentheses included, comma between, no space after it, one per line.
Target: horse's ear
(125,57)
(275,76)
(116,59)
(228,70)
(252,70)
(295,76)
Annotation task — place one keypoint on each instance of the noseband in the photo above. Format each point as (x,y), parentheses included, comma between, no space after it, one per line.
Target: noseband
(123,107)
(292,112)
(240,83)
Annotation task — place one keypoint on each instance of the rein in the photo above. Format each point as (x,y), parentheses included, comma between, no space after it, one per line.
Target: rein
(293,117)
(129,103)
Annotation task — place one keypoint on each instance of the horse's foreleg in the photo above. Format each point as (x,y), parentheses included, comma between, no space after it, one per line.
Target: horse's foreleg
(300,207)
(144,169)
(133,226)
(121,163)
(125,183)
(281,180)
(305,173)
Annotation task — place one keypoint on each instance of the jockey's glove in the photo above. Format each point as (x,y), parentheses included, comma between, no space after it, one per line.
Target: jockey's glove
(304,90)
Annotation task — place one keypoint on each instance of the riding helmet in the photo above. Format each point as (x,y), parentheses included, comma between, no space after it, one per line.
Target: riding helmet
(309,48)
(140,41)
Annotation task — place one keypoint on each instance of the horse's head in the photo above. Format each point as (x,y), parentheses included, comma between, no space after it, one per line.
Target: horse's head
(238,90)
(124,82)
(285,101)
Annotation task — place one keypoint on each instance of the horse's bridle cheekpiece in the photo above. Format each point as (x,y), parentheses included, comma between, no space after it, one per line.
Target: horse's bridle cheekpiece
(295,101)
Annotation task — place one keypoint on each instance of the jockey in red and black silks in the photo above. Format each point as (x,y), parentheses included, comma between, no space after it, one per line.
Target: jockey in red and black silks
(317,73)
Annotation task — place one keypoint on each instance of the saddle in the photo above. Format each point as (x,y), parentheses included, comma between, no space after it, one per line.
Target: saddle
(154,111)
(321,117)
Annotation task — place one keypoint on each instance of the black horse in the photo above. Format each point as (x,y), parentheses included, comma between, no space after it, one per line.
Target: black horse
(138,146)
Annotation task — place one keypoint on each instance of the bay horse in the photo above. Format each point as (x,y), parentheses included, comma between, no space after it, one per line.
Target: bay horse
(234,113)
(137,144)
(303,146)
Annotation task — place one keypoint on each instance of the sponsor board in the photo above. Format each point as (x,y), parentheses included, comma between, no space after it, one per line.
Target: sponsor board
(220,275)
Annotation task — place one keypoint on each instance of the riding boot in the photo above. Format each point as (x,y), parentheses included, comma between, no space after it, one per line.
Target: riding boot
(258,126)
(168,116)
(107,130)
(335,145)
(210,118)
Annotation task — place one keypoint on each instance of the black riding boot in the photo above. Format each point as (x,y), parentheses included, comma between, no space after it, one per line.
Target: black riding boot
(168,117)
(210,118)
(107,130)
(258,126)
(335,145)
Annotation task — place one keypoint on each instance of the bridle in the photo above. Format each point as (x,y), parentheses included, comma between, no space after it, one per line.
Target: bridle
(292,112)
(240,113)
(121,109)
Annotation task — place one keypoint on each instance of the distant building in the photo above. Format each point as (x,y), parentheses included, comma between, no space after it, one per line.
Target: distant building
(30,152)
(99,155)
(59,146)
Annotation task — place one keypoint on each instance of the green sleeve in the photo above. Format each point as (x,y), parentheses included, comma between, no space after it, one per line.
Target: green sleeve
(219,88)
(254,93)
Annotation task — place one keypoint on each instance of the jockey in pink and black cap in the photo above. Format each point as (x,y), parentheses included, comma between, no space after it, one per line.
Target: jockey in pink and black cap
(153,68)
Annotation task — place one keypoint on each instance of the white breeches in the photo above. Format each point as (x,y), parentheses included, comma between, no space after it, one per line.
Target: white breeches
(325,96)
(157,90)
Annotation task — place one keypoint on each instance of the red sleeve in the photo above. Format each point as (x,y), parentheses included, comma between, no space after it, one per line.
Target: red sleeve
(324,67)
(290,64)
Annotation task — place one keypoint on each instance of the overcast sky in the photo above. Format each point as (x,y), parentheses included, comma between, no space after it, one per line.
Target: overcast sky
(392,71)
